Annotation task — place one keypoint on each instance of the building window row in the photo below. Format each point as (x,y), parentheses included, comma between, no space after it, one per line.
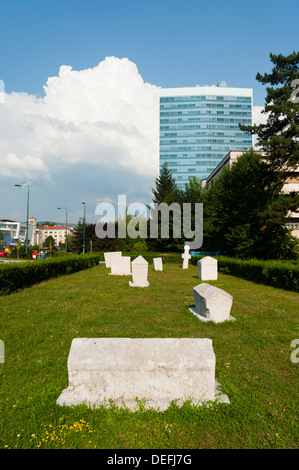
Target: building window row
(191,127)
(203,113)
(164,111)
(203,119)
(193,157)
(189,135)
(214,140)
(170,99)
(207,147)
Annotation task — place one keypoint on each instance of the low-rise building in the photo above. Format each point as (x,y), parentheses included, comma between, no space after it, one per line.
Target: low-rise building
(13,232)
(58,232)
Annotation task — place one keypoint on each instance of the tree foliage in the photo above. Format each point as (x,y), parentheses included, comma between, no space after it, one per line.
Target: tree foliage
(246,217)
(165,185)
(165,191)
(279,136)
(49,241)
(92,242)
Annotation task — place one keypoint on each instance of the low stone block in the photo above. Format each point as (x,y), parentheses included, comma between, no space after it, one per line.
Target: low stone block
(211,303)
(158,264)
(121,266)
(153,370)
(208,269)
(109,255)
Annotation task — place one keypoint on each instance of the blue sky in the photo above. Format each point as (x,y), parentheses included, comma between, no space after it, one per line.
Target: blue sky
(172,44)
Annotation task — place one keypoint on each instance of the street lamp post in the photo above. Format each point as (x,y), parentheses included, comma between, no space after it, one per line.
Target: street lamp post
(83,202)
(24,185)
(65,208)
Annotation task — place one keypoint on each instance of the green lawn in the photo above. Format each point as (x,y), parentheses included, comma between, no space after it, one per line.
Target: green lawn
(253,363)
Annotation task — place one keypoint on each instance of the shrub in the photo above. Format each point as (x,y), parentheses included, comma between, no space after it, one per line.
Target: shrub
(280,274)
(149,255)
(15,276)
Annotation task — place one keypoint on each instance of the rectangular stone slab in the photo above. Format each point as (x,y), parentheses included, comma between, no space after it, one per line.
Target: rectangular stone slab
(121,266)
(208,269)
(157,370)
(109,256)
(158,264)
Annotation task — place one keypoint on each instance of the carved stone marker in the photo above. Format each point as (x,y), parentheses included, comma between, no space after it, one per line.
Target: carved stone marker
(139,273)
(186,256)
(109,255)
(121,265)
(208,269)
(211,303)
(2,351)
(153,370)
(158,264)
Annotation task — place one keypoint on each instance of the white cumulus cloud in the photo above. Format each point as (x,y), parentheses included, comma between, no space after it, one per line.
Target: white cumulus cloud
(104,116)
(94,134)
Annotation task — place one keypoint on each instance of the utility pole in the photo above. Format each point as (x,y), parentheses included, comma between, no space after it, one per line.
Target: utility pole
(83,202)
(24,185)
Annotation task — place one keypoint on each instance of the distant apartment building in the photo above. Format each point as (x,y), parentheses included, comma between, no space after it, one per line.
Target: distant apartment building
(200,125)
(58,232)
(14,232)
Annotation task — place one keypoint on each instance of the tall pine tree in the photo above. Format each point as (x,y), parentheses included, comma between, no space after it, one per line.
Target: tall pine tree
(166,191)
(165,185)
(279,136)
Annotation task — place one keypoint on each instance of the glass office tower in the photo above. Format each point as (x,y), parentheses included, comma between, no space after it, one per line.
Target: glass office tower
(200,125)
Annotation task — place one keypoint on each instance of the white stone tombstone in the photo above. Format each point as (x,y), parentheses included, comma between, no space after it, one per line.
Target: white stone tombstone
(139,273)
(158,264)
(208,269)
(211,303)
(156,371)
(186,256)
(109,255)
(121,266)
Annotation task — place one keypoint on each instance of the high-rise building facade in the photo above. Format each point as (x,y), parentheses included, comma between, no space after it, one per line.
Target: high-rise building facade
(200,125)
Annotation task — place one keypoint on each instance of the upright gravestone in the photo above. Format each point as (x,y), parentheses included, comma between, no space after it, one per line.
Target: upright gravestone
(139,273)
(109,256)
(155,371)
(2,351)
(158,264)
(211,303)
(121,266)
(208,269)
(186,256)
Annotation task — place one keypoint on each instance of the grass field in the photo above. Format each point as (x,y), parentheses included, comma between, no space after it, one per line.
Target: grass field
(253,363)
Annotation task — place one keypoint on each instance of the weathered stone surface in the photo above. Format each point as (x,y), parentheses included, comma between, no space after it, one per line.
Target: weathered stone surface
(121,266)
(139,273)
(158,264)
(155,370)
(208,269)
(109,255)
(211,303)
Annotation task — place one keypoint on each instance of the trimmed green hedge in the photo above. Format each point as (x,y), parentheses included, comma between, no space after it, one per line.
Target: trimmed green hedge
(149,255)
(275,273)
(15,276)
